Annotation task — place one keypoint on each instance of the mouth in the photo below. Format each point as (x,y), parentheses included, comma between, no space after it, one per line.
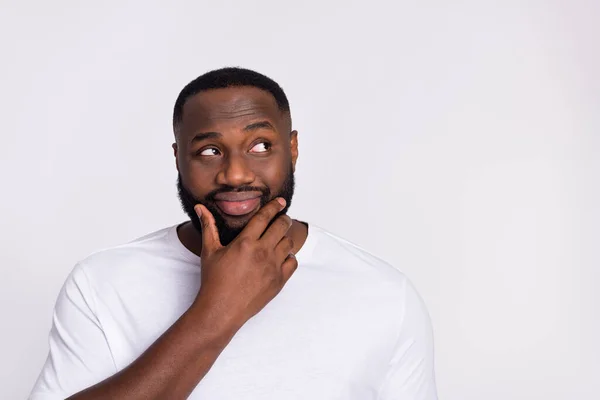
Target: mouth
(238,204)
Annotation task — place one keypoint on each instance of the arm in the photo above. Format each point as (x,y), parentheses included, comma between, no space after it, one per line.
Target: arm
(410,374)
(238,280)
(172,367)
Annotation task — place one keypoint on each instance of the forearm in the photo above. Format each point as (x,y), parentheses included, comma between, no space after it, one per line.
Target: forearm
(174,364)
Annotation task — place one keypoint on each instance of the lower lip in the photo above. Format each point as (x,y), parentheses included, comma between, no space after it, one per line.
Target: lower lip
(238,208)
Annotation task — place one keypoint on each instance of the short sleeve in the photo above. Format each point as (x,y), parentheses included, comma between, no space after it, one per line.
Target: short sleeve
(79,356)
(410,374)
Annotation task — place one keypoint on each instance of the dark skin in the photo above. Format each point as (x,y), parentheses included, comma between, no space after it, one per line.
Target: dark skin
(229,113)
(241,278)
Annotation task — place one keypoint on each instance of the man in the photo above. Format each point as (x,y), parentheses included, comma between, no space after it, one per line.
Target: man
(241,302)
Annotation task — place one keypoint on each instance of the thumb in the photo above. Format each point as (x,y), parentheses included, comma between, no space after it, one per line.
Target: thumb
(210,234)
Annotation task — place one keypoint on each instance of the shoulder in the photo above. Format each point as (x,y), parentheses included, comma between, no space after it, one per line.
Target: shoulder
(128,259)
(353,260)
(375,281)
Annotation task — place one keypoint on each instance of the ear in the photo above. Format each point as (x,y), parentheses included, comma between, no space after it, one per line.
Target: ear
(294,148)
(174,145)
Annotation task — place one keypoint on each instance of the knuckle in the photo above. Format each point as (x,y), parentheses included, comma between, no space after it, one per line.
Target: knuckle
(245,243)
(284,221)
(289,242)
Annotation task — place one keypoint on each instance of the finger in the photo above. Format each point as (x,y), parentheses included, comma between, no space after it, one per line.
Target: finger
(259,222)
(274,233)
(210,234)
(283,249)
(288,267)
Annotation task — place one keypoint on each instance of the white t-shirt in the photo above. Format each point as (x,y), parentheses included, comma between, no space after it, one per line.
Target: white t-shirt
(346,326)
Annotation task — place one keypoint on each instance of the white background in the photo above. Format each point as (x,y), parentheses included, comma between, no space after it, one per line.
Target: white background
(458,140)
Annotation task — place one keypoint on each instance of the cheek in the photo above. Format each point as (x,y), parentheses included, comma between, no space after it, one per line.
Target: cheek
(198,179)
(272,173)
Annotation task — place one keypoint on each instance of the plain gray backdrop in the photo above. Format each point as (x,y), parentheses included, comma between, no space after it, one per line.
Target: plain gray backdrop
(457,140)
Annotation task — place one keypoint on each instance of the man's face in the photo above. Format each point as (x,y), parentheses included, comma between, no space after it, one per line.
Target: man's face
(234,153)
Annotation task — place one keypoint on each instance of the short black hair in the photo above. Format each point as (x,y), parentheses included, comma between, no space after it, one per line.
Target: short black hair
(229,77)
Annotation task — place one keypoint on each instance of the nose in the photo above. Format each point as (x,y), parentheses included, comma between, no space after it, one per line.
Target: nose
(235,172)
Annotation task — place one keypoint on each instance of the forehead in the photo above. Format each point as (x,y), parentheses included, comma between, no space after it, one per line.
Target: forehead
(228,107)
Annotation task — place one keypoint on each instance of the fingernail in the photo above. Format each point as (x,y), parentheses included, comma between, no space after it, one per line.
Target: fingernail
(281,201)
(198,210)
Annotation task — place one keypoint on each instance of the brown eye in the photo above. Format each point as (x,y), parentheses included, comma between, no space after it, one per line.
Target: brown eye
(261,147)
(210,151)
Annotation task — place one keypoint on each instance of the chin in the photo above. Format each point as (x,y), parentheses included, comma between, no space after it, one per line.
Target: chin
(237,222)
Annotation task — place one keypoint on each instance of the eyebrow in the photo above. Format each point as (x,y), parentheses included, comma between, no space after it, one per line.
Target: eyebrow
(206,135)
(260,125)
(216,135)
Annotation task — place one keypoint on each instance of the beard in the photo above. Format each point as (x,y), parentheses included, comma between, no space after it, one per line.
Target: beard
(228,231)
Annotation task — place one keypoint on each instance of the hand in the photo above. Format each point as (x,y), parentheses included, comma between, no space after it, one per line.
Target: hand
(240,279)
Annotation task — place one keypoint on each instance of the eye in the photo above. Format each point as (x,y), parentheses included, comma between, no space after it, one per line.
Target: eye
(261,147)
(209,151)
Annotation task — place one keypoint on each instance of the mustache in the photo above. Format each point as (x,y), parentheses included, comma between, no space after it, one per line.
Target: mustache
(266,193)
